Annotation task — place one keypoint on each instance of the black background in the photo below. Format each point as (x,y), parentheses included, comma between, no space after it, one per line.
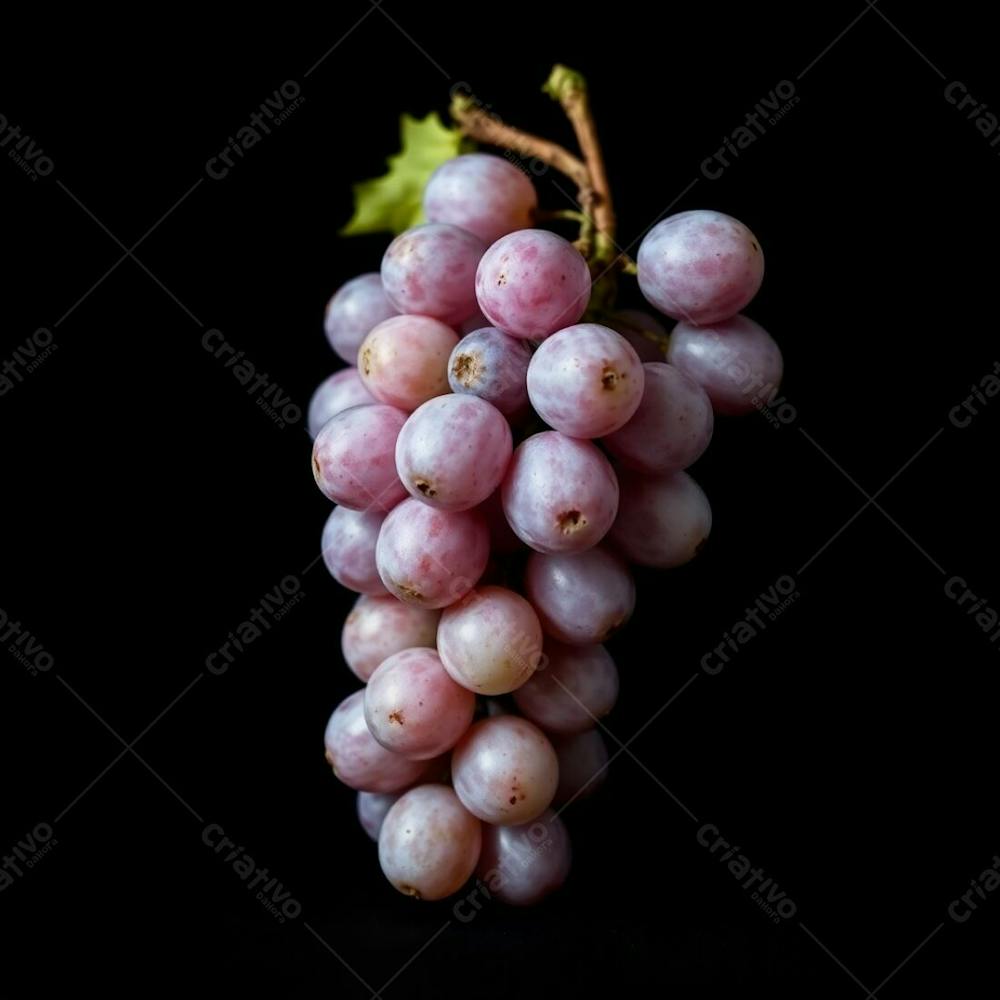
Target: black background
(150,505)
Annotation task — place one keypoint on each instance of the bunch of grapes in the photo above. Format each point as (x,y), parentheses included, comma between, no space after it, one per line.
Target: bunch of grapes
(499,451)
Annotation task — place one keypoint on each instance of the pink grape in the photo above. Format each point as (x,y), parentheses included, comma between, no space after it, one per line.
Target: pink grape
(483,194)
(430,270)
(340,391)
(700,266)
(372,808)
(663,521)
(583,765)
(414,708)
(429,844)
(491,641)
(560,494)
(355,308)
(735,361)
(348,546)
(521,865)
(492,365)
(505,770)
(404,361)
(358,759)
(631,323)
(453,451)
(431,557)
(532,283)
(380,626)
(354,457)
(578,686)
(580,597)
(585,381)
(672,426)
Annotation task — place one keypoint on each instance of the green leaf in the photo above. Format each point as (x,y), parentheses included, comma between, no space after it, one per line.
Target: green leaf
(393,201)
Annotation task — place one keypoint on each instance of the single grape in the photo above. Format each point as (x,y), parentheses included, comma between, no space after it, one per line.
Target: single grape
(340,391)
(491,641)
(372,808)
(672,427)
(700,266)
(633,324)
(532,283)
(521,865)
(580,597)
(414,708)
(429,844)
(585,381)
(583,765)
(354,457)
(560,494)
(348,546)
(663,521)
(453,451)
(431,557)
(358,759)
(404,361)
(430,270)
(735,361)
(505,770)
(577,687)
(355,308)
(492,365)
(379,626)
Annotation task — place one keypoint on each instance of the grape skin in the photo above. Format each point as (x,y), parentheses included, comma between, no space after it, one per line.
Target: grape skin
(630,323)
(532,283)
(430,270)
(585,381)
(429,844)
(372,808)
(453,451)
(340,391)
(431,557)
(700,266)
(560,494)
(354,457)
(672,426)
(354,309)
(484,194)
(381,625)
(736,361)
(492,365)
(348,547)
(583,765)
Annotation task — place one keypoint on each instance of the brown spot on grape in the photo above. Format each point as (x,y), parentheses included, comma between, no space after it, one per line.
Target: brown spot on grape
(756,249)
(467,369)
(408,890)
(396,717)
(425,488)
(501,279)
(609,378)
(513,800)
(409,591)
(317,471)
(366,361)
(571,521)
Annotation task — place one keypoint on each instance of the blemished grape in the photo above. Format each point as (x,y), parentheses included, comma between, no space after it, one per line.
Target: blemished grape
(631,323)
(505,770)
(358,759)
(578,686)
(663,521)
(372,808)
(354,457)
(414,708)
(430,270)
(492,365)
(348,546)
(431,557)
(453,451)
(700,266)
(484,194)
(491,641)
(560,494)
(581,597)
(380,626)
(585,381)
(521,865)
(340,391)
(735,361)
(404,361)
(672,426)
(429,843)
(356,307)
(532,283)
(583,765)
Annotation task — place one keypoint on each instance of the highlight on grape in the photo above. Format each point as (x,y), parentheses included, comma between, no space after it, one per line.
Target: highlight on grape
(504,443)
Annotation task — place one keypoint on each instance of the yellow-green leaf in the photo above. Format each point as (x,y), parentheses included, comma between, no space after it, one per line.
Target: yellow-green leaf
(393,201)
